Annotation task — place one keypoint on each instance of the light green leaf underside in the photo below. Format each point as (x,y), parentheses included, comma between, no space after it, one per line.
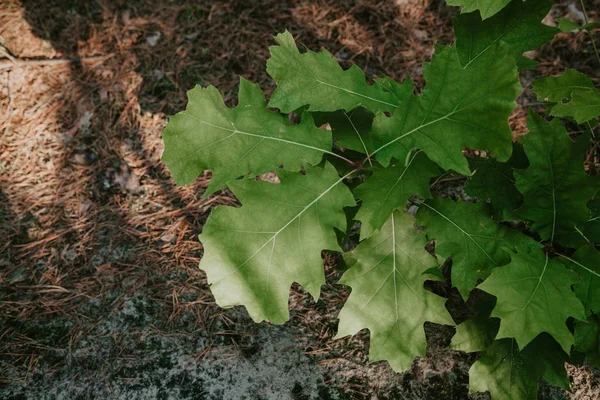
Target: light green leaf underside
(510,374)
(388,297)
(574,94)
(555,187)
(248,139)
(389,189)
(253,254)
(465,232)
(317,80)
(517,25)
(459,108)
(487,8)
(534,296)
(586,262)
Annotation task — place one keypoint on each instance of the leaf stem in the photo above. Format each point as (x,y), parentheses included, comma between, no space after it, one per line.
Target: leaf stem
(578,264)
(359,137)
(354,163)
(585,17)
(358,168)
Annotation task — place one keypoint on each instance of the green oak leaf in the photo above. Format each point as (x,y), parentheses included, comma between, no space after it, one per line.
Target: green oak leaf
(402,91)
(587,334)
(556,88)
(587,339)
(534,296)
(475,334)
(254,253)
(583,106)
(318,81)
(388,189)
(590,26)
(592,226)
(460,107)
(351,128)
(518,25)
(465,232)
(248,139)
(574,94)
(487,8)
(555,187)
(510,374)
(566,25)
(495,182)
(478,332)
(388,296)
(586,262)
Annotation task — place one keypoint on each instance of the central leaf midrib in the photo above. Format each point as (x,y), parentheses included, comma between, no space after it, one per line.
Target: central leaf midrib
(580,265)
(310,75)
(235,131)
(456,110)
(541,277)
(272,238)
(494,42)
(462,230)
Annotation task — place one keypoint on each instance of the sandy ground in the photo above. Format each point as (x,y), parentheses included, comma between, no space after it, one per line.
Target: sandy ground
(100,294)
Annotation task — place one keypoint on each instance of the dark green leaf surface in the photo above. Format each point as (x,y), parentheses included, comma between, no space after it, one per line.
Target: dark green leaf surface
(465,232)
(254,253)
(587,339)
(592,226)
(460,107)
(574,94)
(351,128)
(566,25)
(556,88)
(317,80)
(510,374)
(583,106)
(518,25)
(586,262)
(389,189)
(534,296)
(495,182)
(475,334)
(248,139)
(587,335)
(555,187)
(479,332)
(388,297)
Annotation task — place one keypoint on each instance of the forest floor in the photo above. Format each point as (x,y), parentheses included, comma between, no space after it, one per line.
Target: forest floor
(100,291)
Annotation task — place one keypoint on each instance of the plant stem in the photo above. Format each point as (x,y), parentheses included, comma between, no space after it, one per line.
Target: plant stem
(342,158)
(585,17)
